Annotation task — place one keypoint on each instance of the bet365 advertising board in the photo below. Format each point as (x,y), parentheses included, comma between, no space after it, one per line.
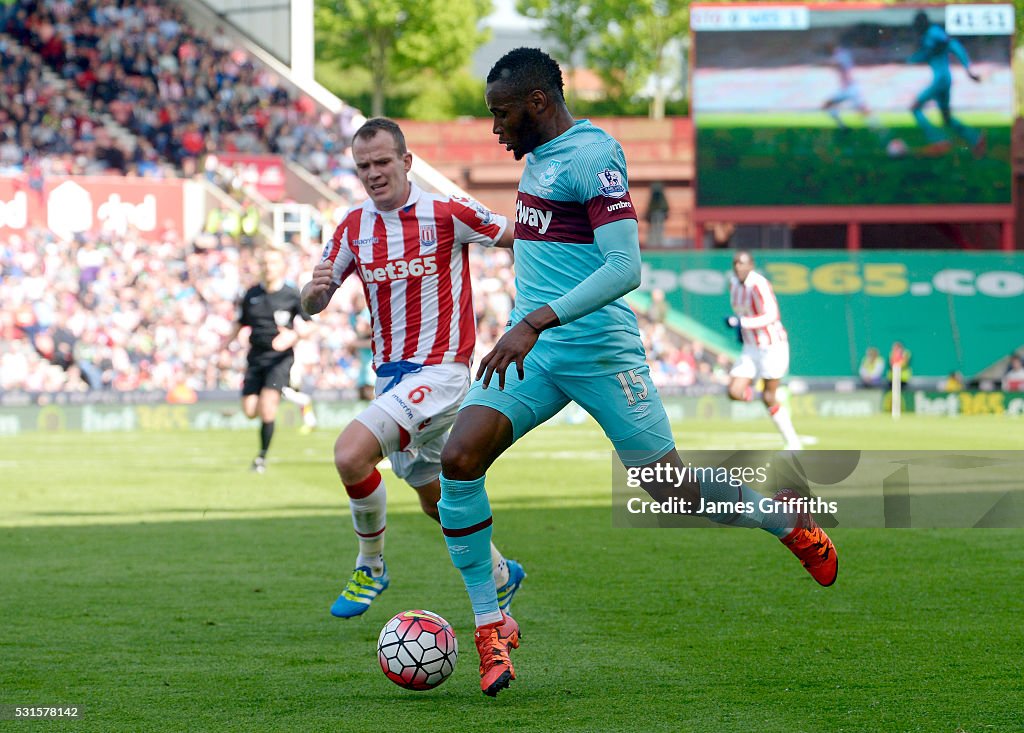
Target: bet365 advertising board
(954,310)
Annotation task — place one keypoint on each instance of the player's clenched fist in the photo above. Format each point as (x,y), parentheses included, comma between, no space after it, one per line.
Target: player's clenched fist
(318,291)
(322,274)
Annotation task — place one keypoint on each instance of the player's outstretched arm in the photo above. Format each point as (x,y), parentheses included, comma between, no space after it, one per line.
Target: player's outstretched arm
(317,293)
(958,50)
(507,237)
(619,245)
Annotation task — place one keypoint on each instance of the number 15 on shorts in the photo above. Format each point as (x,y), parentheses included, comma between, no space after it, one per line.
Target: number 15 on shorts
(633,385)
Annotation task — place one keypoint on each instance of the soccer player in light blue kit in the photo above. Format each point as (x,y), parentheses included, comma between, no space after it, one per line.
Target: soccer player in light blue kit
(935,47)
(577,253)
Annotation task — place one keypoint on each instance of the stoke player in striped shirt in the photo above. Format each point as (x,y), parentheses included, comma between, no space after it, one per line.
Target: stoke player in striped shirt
(408,247)
(765,343)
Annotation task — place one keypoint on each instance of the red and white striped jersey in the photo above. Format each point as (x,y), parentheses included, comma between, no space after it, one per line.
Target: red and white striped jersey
(415,271)
(754,302)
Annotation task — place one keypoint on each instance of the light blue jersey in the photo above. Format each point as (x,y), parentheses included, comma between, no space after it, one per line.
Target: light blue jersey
(936,46)
(571,186)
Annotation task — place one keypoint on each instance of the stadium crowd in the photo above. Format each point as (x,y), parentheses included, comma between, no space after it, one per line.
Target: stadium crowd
(182,92)
(111,311)
(122,313)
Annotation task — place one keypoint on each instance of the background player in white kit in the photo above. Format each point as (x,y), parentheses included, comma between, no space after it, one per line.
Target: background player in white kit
(765,343)
(849,92)
(409,249)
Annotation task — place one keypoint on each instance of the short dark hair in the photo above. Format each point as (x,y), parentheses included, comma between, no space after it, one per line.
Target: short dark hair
(374,125)
(921,21)
(526,69)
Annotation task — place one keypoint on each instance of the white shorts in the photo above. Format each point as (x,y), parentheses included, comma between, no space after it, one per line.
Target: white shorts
(411,420)
(764,362)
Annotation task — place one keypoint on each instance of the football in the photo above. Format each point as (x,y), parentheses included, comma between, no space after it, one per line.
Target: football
(417,650)
(896,148)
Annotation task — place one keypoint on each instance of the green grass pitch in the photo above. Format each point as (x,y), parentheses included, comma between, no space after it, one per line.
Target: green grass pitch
(151,579)
(805,160)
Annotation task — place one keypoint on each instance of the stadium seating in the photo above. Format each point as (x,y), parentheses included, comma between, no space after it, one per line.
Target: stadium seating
(172,92)
(121,313)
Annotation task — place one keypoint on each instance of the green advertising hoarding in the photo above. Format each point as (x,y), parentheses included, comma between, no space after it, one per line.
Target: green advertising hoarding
(954,310)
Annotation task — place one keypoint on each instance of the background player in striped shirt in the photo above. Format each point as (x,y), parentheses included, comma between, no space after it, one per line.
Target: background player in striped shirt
(765,343)
(573,339)
(409,249)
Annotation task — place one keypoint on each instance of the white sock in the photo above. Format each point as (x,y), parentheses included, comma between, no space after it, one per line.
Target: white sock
(299,398)
(780,416)
(369,517)
(500,567)
(485,619)
(308,416)
(374,562)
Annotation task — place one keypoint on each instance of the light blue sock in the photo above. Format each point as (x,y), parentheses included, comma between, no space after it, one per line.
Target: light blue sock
(779,522)
(967,133)
(466,523)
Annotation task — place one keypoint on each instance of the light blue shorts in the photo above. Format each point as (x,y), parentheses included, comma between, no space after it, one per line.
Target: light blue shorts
(625,404)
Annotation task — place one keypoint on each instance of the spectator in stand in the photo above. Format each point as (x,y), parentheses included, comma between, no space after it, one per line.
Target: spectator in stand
(872,369)
(56,347)
(658,310)
(1013,380)
(657,213)
(953,383)
(37,119)
(7,8)
(143,315)
(174,86)
(109,155)
(721,234)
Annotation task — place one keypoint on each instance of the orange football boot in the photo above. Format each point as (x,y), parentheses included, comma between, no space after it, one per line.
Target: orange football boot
(810,544)
(493,642)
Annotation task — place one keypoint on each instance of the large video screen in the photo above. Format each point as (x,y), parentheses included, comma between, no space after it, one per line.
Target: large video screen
(828,105)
